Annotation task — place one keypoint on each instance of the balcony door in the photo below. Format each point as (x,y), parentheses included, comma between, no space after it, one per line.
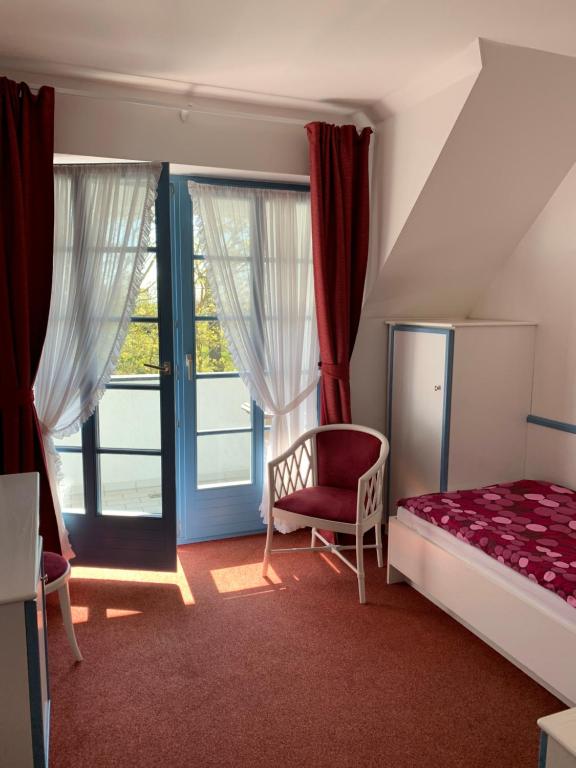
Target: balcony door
(221,431)
(118,488)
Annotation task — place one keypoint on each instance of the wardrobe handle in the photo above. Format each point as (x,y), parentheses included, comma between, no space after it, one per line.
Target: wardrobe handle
(437,387)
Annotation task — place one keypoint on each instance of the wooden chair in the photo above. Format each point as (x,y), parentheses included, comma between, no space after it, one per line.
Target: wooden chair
(57,570)
(330,479)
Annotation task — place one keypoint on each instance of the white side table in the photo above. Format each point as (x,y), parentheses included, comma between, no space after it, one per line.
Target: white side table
(558,740)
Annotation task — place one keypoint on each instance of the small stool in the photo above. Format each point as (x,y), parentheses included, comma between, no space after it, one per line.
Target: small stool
(57,570)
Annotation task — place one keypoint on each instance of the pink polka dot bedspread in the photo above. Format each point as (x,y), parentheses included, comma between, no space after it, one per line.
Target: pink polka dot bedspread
(529,526)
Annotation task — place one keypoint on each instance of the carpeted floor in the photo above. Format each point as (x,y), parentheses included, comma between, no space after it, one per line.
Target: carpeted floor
(215,667)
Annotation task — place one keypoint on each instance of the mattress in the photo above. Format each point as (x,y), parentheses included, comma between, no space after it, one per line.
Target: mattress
(503,543)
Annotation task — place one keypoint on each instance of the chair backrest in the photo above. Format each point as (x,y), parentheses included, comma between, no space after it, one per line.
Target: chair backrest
(344,453)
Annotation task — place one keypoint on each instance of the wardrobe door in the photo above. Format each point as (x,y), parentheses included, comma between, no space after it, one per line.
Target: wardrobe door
(416,410)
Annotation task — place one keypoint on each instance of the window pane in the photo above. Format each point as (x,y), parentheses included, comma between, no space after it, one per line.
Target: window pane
(71,487)
(199,244)
(129,419)
(222,404)
(131,486)
(141,346)
(212,353)
(74,440)
(204,303)
(147,300)
(224,459)
(266,447)
(236,215)
(238,271)
(152,238)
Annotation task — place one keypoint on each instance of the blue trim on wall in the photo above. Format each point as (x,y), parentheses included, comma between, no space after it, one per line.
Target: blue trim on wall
(447,400)
(34,683)
(445,449)
(389,416)
(561,426)
(543,750)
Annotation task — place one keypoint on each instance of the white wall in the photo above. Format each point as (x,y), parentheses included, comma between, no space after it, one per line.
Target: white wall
(538,283)
(101,127)
(510,147)
(406,146)
(453,206)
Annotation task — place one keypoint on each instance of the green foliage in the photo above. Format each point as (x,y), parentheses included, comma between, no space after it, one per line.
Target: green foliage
(141,345)
(212,353)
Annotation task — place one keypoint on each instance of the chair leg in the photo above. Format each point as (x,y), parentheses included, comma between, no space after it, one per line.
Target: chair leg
(313,537)
(379,553)
(64,597)
(268,547)
(360,567)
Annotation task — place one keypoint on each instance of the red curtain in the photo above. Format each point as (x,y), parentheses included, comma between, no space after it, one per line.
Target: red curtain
(26,243)
(339,192)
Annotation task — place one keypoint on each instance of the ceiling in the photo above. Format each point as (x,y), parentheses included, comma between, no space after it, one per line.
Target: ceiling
(338,50)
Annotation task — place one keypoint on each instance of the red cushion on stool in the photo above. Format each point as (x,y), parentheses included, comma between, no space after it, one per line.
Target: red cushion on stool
(54,566)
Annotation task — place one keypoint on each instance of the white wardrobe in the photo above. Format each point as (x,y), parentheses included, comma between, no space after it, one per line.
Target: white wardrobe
(459,394)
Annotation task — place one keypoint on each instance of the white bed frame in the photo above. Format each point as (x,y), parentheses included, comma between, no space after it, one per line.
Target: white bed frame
(534,639)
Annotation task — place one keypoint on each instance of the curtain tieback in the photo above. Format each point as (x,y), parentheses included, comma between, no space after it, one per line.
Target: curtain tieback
(15,397)
(339,371)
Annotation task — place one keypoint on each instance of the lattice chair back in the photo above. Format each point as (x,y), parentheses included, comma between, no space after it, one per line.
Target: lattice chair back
(298,471)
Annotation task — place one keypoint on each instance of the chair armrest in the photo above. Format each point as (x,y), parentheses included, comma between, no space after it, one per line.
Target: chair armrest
(370,490)
(292,470)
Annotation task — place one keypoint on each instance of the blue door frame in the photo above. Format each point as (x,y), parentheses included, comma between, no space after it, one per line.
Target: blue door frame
(227,510)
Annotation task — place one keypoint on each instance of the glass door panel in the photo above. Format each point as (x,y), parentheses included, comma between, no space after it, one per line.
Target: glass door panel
(221,429)
(120,473)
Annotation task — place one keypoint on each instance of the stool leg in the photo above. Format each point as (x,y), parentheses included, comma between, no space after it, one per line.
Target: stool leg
(64,597)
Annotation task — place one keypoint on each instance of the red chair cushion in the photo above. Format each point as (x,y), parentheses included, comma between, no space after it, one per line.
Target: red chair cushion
(327,503)
(343,455)
(54,566)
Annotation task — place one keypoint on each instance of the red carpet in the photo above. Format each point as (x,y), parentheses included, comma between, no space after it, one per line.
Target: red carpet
(218,669)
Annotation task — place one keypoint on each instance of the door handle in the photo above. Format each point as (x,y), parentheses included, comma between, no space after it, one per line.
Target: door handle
(165,369)
(189,369)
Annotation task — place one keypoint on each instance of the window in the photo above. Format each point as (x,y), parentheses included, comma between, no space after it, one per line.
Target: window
(113,466)
(224,410)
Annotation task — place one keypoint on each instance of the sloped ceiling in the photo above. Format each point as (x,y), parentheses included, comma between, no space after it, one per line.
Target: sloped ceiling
(510,147)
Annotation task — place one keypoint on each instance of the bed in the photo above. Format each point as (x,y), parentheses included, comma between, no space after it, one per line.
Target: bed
(502,561)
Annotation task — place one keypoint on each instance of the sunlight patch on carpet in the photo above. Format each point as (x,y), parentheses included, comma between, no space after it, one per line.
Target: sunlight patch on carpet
(178,579)
(240,577)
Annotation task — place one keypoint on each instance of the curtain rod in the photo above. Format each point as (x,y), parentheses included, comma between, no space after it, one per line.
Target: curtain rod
(185,111)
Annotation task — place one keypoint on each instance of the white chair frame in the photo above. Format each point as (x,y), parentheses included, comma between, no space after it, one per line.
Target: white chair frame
(296,469)
(60,585)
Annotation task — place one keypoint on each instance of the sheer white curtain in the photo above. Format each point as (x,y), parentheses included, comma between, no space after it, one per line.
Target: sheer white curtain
(102,220)
(258,249)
